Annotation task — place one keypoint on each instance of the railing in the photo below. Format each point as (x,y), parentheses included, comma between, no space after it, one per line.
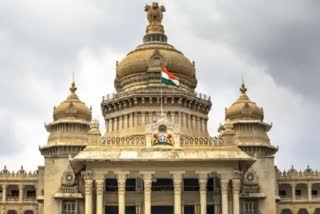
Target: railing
(134,140)
(30,198)
(186,141)
(150,91)
(13,198)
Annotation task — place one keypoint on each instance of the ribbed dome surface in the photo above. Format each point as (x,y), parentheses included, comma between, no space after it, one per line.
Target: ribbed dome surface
(138,61)
(244,108)
(72,108)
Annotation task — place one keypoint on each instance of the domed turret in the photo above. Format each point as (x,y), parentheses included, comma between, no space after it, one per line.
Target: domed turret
(72,108)
(244,108)
(142,66)
(71,121)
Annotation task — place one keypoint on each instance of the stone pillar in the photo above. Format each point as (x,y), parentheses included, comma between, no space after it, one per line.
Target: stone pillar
(309,191)
(293,192)
(132,121)
(203,180)
(204,129)
(177,180)
(4,192)
(88,197)
(173,120)
(122,177)
(99,192)
(111,129)
(224,195)
(147,181)
(20,192)
(236,192)
(116,124)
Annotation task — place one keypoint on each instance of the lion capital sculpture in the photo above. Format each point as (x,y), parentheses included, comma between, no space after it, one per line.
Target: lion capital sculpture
(154,13)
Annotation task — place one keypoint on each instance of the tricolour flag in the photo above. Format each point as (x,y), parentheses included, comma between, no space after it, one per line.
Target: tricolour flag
(168,78)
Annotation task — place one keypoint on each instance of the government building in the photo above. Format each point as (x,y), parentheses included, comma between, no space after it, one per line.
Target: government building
(155,155)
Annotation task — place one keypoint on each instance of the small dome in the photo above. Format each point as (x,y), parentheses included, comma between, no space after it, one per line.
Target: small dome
(72,108)
(244,108)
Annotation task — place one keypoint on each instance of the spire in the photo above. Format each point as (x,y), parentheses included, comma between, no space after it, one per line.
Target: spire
(154,30)
(73,87)
(243,88)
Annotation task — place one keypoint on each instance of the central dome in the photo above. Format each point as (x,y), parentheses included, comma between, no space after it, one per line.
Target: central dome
(141,67)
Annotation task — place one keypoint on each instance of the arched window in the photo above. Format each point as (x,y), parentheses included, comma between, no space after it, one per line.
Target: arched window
(303,211)
(286,211)
(12,212)
(28,212)
(317,211)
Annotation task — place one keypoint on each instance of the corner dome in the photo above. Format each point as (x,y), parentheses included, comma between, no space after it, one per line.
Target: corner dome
(244,108)
(72,108)
(141,67)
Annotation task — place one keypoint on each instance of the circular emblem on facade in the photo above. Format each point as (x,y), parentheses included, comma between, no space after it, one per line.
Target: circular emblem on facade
(68,178)
(250,177)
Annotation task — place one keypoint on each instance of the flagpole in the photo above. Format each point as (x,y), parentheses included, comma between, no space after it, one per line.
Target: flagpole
(161,101)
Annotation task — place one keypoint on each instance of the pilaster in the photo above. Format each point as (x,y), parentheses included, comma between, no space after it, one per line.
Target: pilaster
(147,181)
(177,181)
(224,195)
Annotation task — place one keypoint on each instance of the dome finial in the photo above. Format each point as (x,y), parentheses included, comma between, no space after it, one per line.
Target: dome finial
(73,87)
(243,88)
(155,30)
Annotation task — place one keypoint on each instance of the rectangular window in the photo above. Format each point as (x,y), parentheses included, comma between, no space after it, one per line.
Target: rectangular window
(282,193)
(191,184)
(131,184)
(69,207)
(162,185)
(250,207)
(111,185)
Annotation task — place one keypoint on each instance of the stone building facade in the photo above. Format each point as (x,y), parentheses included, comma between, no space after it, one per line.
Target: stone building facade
(158,160)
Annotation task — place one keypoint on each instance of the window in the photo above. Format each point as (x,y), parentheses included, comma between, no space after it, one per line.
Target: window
(191,184)
(298,192)
(282,193)
(314,192)
(111,185)
(162,185)
(69,207)
(15,193)
(250,207)
(131,184)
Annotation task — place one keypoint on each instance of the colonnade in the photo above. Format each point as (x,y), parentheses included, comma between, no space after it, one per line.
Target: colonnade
(177,177)
(140,119)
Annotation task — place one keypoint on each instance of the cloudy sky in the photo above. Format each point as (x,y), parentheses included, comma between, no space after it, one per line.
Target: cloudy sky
(275,44)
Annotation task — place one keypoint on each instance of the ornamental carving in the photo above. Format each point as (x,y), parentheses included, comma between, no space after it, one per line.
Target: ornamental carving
(68,178)
(154,13)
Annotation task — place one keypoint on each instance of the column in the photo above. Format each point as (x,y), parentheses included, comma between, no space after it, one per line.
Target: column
(147,181)
(88,198)
(224,195)
(203,180)
(236,192)
(177,181)
(4,192)
(20,192)
(293,192)
(173,120)
(99,192)
(122,177)
(309,191)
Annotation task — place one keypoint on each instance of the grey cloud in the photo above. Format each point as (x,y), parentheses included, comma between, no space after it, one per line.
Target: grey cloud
(281,36)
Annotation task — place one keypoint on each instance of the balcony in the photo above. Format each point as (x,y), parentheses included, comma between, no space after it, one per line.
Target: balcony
(12,198)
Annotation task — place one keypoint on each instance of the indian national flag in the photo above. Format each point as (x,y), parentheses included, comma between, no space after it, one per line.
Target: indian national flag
(168,78)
